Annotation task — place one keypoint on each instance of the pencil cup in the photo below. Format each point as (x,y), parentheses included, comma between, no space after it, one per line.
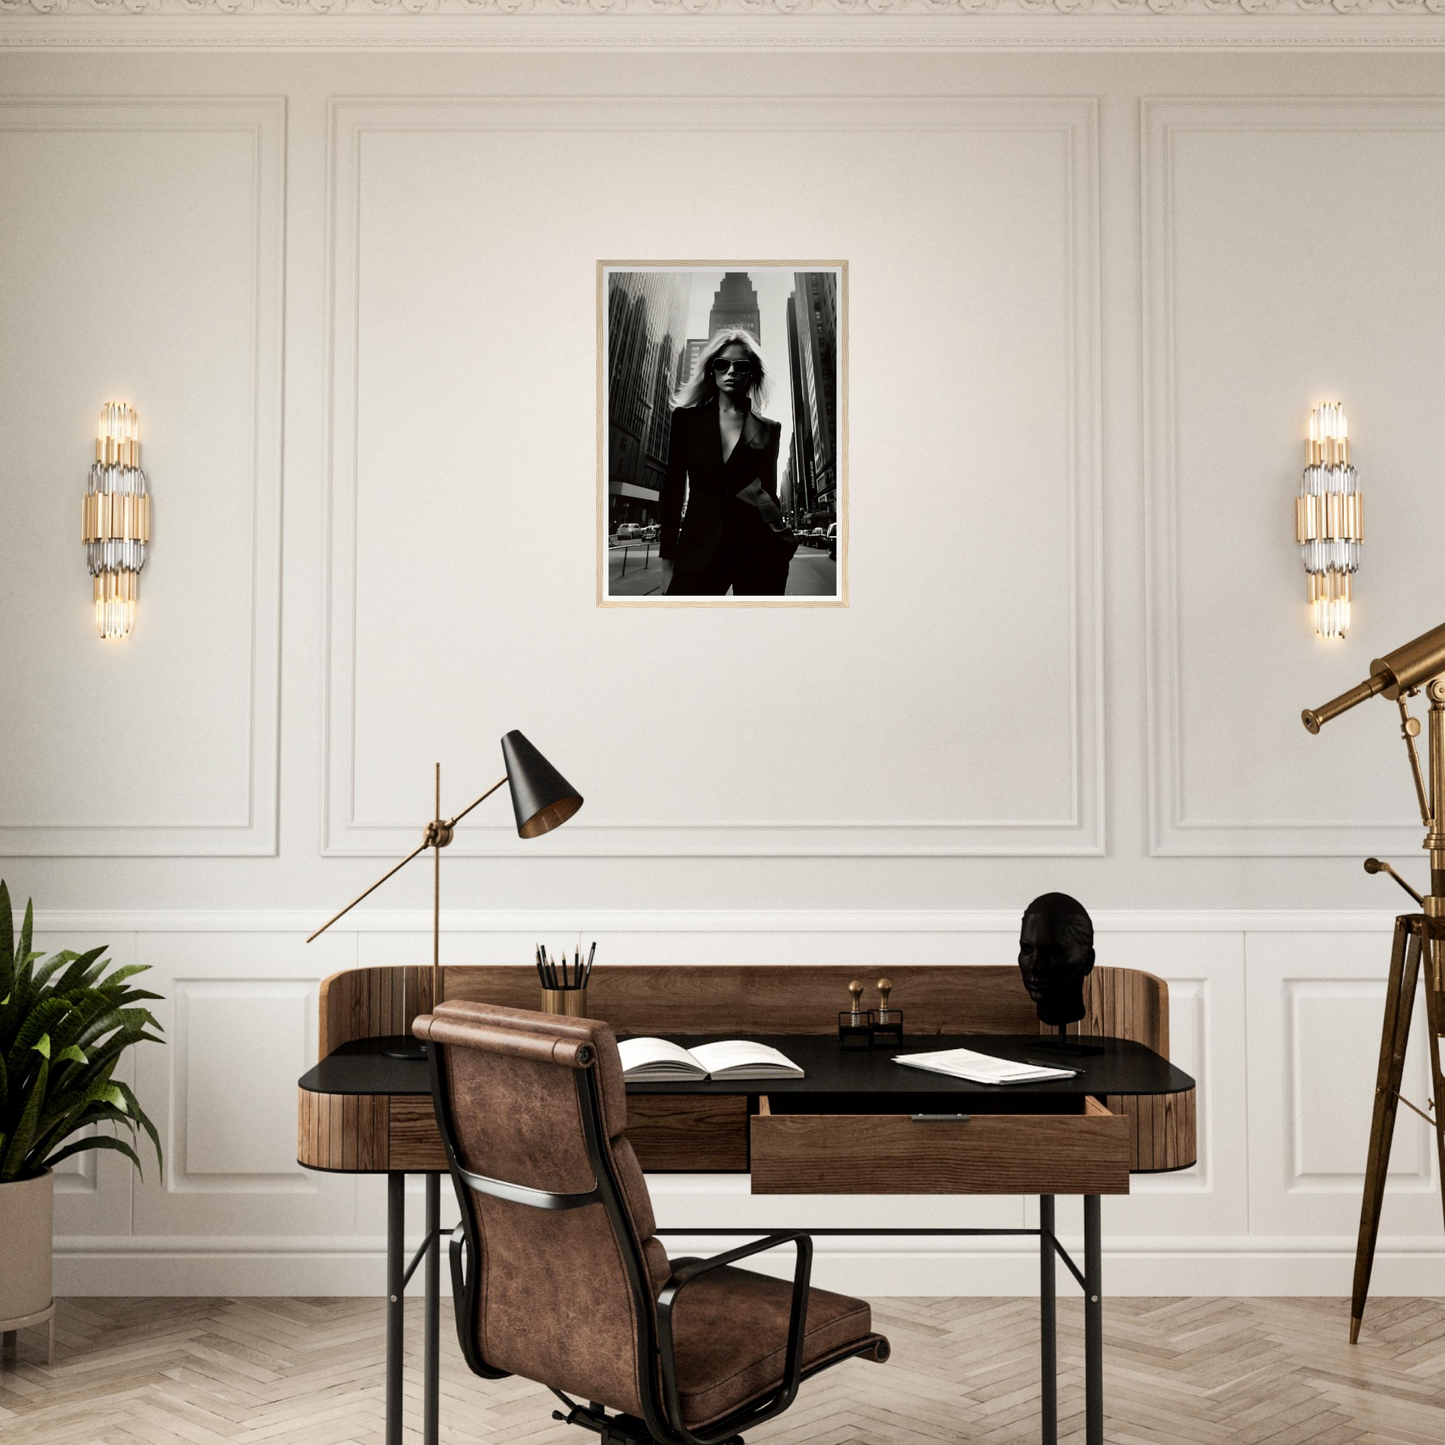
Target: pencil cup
(569,1001)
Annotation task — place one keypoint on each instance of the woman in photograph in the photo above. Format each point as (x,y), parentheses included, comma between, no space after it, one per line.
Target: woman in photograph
(722,462)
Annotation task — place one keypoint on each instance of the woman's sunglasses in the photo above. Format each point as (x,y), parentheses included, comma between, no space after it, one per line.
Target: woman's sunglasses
(721,364)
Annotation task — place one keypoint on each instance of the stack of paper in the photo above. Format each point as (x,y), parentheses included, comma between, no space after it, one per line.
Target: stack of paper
(981,1068)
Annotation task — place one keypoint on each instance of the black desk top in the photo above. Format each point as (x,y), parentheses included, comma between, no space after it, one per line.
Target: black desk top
(1111,1066)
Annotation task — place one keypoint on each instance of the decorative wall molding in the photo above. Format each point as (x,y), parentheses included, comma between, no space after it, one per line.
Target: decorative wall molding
(1316,1002)
(230,1216)
(603,923)
(727,25)
(686,9)
(1172,832)
(263,120)
(315,1265)
(1075,122)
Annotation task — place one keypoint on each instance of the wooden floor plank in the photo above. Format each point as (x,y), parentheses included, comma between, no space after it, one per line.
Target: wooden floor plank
(1178,1372)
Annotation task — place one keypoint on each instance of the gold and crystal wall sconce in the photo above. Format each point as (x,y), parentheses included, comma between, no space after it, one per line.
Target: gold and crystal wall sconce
(116,519)
(1329,519)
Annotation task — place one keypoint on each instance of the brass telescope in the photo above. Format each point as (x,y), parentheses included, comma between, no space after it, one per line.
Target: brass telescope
(1402,670)
(1419,937)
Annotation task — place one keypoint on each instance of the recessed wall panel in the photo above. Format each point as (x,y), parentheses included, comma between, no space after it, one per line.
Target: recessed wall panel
(148,237)
(1289,260)
(465,435)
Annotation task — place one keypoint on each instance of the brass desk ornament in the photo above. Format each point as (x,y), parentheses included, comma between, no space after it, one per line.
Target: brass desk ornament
(853,1031)
(885,1023)
(1398,676)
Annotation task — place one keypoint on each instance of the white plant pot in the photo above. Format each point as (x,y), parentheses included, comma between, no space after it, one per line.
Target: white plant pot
(26,1213)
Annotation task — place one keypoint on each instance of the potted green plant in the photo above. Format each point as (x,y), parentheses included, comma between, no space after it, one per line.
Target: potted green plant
(64,1025)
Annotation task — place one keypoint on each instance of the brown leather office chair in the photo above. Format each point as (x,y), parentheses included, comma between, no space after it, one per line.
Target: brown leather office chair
(556,1272)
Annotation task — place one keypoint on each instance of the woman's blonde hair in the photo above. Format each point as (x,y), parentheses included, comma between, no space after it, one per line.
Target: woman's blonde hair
(701,387)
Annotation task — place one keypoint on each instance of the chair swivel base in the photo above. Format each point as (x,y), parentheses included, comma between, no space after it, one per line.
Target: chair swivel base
(614,1429)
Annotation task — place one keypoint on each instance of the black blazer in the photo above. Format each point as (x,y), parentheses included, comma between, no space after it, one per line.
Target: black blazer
(694,455)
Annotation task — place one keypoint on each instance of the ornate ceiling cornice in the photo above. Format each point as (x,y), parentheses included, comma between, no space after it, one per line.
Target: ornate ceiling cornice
(726,24)
(741,8)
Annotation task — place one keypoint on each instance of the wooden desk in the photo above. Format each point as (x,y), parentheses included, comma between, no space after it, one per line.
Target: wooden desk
(845,1128)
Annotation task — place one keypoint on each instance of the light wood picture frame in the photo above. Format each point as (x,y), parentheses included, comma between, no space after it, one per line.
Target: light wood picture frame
(655,321)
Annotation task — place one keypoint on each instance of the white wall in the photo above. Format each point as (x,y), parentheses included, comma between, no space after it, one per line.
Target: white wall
(352,296)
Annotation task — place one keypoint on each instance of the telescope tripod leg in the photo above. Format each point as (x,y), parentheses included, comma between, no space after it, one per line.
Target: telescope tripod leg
(1399,1006)
(1435,1017)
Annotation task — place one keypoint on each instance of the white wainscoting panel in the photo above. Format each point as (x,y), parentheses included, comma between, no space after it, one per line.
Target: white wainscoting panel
(240,1020)
(130,219)
(1279,1025)
(257,1029)
(982,217)
(1317,1002)
(1253,314)
(1207,1006)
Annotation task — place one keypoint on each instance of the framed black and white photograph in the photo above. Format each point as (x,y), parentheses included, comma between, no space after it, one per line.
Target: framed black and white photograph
(722,438)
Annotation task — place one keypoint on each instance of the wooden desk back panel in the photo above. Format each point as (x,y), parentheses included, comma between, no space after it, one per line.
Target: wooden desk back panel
(1120,1003)
(1123,1003)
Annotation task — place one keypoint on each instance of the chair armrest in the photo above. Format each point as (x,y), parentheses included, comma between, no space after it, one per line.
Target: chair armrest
(797,1323)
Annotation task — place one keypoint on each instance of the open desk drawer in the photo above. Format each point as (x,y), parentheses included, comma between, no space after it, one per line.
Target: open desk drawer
(1077,1147)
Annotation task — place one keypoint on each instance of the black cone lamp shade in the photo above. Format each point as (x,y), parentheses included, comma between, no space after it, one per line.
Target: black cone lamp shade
(542,798)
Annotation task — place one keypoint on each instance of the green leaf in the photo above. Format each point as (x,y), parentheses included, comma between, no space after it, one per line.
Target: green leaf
(48,1138)
(47,970)
(46,1015)
(43,1046)
(102,1023)
(129,971)
(99,1141)
(27,931)
(75,1055)
(81,968)
(130,1019)
(14,1158)
(104,1055)
(7,940)
(140,1115)
(65,1109)
(84,969)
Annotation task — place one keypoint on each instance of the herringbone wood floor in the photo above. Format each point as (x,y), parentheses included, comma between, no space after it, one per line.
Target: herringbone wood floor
(1207,1371)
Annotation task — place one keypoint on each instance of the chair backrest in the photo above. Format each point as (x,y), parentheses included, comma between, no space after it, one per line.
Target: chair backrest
(532,1108)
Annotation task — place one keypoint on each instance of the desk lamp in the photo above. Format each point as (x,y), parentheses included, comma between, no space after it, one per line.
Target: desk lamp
(542,799)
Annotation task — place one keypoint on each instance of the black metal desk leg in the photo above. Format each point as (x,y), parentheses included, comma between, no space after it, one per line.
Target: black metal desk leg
(395,1300)
(1093,1325)
(1048,1330)
(433,1307)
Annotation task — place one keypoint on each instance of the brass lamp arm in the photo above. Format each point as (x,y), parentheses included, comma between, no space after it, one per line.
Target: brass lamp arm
(431,840)
(420,848)
(453,823)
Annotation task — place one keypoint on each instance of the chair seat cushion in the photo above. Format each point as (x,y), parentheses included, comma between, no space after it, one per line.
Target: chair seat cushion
(730,1335)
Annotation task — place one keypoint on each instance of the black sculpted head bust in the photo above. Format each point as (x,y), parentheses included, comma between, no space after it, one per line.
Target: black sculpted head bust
(1056,954)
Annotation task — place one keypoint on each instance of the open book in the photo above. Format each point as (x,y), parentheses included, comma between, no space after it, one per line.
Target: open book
(981,1068)
(656,1061)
